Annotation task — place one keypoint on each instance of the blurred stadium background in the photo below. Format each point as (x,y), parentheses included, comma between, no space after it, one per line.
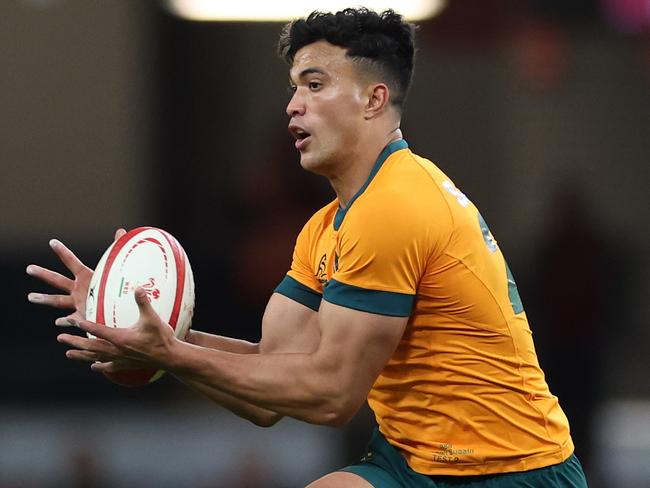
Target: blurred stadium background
(117,113)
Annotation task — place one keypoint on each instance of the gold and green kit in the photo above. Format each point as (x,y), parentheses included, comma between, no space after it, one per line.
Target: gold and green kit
(463,393)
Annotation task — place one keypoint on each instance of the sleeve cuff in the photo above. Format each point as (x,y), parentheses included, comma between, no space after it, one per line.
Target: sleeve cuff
(372,301)
(292,288)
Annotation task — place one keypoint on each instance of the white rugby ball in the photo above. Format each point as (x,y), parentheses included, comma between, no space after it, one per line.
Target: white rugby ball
(153,259)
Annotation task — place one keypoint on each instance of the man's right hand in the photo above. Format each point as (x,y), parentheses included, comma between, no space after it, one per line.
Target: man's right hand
(75,289)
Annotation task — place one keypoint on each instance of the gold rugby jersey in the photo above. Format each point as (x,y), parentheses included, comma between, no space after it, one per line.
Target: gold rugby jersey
(463,394)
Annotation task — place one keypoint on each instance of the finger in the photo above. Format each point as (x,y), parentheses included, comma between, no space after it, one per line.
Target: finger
(104,367)
(113,366)
(144,304)
(65,322)
(50,277)
(119,233)
(71,320)
(68,258)
(56,301)
(110,334)
(86,344)
(87,356)
(75,341)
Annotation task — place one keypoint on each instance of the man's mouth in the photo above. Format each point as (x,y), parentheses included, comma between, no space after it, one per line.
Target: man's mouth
(301,135)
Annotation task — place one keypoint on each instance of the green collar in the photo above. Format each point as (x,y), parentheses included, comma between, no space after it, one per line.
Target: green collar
(388,150)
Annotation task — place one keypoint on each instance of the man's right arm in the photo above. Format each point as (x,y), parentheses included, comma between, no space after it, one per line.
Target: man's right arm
(287,327)
(212,341)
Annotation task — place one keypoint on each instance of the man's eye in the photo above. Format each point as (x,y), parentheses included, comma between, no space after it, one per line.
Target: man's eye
(291,89)
(315,85)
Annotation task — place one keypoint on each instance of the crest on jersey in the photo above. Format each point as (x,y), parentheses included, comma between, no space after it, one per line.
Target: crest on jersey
(321,273)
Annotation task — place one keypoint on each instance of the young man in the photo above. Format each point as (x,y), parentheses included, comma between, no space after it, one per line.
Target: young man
(397,294)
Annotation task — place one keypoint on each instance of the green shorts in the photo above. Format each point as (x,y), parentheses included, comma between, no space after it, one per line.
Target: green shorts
(384,467)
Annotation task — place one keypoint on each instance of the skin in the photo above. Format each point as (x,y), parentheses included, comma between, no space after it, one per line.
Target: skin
(314,366)
(347,114)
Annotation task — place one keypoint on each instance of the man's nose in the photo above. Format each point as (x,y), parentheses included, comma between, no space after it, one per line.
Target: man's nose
(296,105)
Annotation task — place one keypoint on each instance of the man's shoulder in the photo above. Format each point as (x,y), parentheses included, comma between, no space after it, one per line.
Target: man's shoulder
(404,201)
(408,168)
(408,186)
(324,212)
(321,218)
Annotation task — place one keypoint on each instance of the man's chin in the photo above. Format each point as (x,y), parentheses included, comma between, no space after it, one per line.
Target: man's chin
(309,162)
(318,165)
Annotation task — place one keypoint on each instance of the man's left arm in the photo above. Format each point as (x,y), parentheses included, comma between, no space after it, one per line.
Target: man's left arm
(327,386)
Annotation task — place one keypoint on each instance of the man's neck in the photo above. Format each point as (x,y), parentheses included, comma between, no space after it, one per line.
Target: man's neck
(351,177)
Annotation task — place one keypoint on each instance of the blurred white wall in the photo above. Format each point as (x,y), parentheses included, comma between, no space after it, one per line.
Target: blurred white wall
(168,446)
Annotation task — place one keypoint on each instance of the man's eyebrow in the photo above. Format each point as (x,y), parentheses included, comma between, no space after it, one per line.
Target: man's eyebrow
(307,71)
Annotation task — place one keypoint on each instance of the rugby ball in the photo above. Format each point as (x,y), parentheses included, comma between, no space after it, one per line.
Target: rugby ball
(153,259)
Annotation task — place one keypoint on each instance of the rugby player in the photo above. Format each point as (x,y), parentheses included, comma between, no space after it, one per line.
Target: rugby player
(398,294)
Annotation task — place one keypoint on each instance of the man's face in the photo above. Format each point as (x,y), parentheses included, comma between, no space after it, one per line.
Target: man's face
(326,108)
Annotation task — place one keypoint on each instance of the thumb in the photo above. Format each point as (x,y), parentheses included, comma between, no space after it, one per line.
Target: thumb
(144,304)
(119,233)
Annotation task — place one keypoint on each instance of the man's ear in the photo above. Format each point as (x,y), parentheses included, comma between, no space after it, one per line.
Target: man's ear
(378,96)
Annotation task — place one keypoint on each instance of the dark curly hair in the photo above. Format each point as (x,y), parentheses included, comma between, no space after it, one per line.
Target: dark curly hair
(382,43)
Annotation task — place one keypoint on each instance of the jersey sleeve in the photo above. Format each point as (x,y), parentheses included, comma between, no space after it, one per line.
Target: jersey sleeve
(300,283)
(381,256)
